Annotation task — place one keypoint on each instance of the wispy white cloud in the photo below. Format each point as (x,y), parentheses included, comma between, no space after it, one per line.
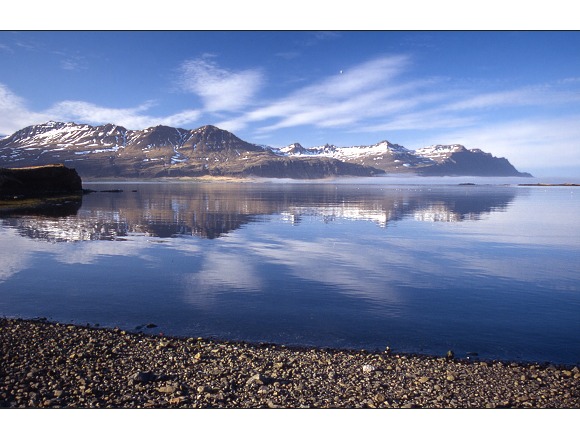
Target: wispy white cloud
(132,118)
(343,98)
(14,112)
(545,94)
(376,96)
(72,64)
(220,89)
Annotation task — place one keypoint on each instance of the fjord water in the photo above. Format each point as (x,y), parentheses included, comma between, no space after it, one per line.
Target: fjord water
(491,271)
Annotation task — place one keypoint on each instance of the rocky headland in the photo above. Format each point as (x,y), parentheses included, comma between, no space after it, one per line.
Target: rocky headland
(51,365)
(38,181)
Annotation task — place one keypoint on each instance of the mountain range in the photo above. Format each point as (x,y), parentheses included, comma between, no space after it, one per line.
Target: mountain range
(113,151)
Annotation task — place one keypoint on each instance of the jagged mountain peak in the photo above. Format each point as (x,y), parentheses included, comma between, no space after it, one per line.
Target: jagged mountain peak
(392,147)
(208,129)
(210,138)
(295,149)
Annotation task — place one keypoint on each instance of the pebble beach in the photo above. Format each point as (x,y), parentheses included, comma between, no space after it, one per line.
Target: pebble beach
(53,365)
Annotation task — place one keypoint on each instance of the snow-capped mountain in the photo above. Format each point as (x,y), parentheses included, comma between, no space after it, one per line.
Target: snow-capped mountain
(378,155)
(112,150)
(433,160)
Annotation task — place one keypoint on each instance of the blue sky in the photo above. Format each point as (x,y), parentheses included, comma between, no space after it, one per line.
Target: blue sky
(515,94)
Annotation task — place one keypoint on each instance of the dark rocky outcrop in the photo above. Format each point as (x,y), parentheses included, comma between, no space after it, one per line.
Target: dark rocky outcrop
(39,181)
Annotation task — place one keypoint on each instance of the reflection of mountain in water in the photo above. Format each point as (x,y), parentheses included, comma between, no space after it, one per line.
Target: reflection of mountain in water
(439,204)
(51,219)
(210,211)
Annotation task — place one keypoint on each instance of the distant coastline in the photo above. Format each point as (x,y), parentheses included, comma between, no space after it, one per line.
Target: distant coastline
(549,184)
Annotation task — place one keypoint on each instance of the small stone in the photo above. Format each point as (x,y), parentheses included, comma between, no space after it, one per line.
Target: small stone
(167,389)
(47,403)
(379,398)
(258,379)
(423,379)
(450,377)
(176,400)
(144,377)
(203,389)
(368,368)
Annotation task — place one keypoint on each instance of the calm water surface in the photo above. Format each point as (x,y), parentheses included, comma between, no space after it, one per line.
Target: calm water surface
(486,269)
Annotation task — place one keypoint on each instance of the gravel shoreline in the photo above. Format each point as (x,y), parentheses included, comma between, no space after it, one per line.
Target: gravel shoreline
(51,365)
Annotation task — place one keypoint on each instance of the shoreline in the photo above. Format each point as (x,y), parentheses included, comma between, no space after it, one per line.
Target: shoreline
(550,184)
(50,364)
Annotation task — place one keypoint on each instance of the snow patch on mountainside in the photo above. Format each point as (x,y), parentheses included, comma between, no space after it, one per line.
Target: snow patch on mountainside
(350,152)
(439,150)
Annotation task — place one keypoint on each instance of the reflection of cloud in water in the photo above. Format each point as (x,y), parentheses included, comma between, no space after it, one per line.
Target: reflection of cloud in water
(221,272)
(381,267)
(90,252)
(13,261)
(22,251)
(353,269)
